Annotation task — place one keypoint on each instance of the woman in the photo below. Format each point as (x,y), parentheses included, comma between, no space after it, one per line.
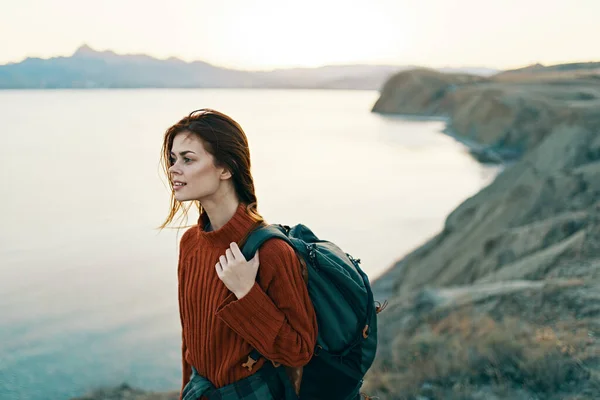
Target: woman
(228,305)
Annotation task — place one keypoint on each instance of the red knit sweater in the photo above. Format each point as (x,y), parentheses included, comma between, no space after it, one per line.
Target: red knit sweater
(219,331)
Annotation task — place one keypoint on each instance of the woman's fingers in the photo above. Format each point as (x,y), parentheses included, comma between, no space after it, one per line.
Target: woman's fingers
(237,253)
(229,256)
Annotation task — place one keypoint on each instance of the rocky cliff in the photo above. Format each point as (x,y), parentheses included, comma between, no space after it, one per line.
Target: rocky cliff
(502,116)
(505,301)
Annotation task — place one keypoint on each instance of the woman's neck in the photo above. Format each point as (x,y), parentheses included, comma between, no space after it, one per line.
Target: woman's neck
(220,213)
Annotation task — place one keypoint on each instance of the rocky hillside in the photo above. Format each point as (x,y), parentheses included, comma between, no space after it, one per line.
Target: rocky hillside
(502,116)
(505,301)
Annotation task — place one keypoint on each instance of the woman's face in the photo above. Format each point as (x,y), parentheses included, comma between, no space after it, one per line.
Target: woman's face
(194,175)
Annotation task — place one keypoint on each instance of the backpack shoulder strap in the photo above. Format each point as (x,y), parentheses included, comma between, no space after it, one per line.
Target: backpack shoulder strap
(260,235)
(249,246)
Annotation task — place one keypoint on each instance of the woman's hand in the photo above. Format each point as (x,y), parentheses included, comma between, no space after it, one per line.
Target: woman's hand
(235,272)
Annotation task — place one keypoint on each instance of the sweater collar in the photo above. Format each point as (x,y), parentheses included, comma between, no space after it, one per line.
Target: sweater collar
(233,231)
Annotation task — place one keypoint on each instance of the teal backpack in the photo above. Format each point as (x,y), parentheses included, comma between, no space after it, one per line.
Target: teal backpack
(346,313)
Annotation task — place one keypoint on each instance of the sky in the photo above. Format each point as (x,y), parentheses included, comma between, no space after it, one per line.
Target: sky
(268,34)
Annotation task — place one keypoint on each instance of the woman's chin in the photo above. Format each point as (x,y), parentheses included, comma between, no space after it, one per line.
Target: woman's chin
(180,197)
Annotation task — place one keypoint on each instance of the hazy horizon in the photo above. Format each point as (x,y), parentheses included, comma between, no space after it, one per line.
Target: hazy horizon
(268,34)
(265,69)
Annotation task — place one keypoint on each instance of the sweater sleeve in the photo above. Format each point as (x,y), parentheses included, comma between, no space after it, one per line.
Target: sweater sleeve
(186,368)
(276,317)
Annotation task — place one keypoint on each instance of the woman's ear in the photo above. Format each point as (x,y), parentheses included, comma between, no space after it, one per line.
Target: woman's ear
(225,174)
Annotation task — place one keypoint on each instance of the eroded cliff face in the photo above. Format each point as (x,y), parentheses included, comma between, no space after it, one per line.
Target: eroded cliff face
(505,301)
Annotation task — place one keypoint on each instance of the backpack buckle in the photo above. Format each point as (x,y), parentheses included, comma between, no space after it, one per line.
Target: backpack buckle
(317,350)
(249,364)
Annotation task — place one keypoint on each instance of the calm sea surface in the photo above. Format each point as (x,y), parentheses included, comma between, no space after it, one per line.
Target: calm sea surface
(88,291)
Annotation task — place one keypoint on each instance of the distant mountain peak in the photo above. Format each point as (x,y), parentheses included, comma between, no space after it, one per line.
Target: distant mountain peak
(87,52)
(83,50)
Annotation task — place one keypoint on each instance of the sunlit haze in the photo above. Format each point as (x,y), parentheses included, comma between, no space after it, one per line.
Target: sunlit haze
(265,34)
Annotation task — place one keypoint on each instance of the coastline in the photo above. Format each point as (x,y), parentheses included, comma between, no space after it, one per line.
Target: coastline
(514,262)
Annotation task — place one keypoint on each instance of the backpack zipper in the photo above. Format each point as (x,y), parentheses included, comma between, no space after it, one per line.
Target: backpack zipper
(312,255)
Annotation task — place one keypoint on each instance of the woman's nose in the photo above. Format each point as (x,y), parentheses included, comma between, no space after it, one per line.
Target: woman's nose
(174,169)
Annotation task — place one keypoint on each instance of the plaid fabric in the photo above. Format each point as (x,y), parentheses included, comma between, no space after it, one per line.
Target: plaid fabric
(266,384)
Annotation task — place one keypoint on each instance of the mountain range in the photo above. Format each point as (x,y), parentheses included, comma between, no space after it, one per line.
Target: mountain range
(88,68)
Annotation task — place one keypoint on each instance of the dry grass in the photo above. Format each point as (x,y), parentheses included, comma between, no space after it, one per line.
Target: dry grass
(460,354)
(545,76)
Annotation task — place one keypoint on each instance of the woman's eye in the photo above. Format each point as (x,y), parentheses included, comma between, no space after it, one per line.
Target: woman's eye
(186,160)
(171,161)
